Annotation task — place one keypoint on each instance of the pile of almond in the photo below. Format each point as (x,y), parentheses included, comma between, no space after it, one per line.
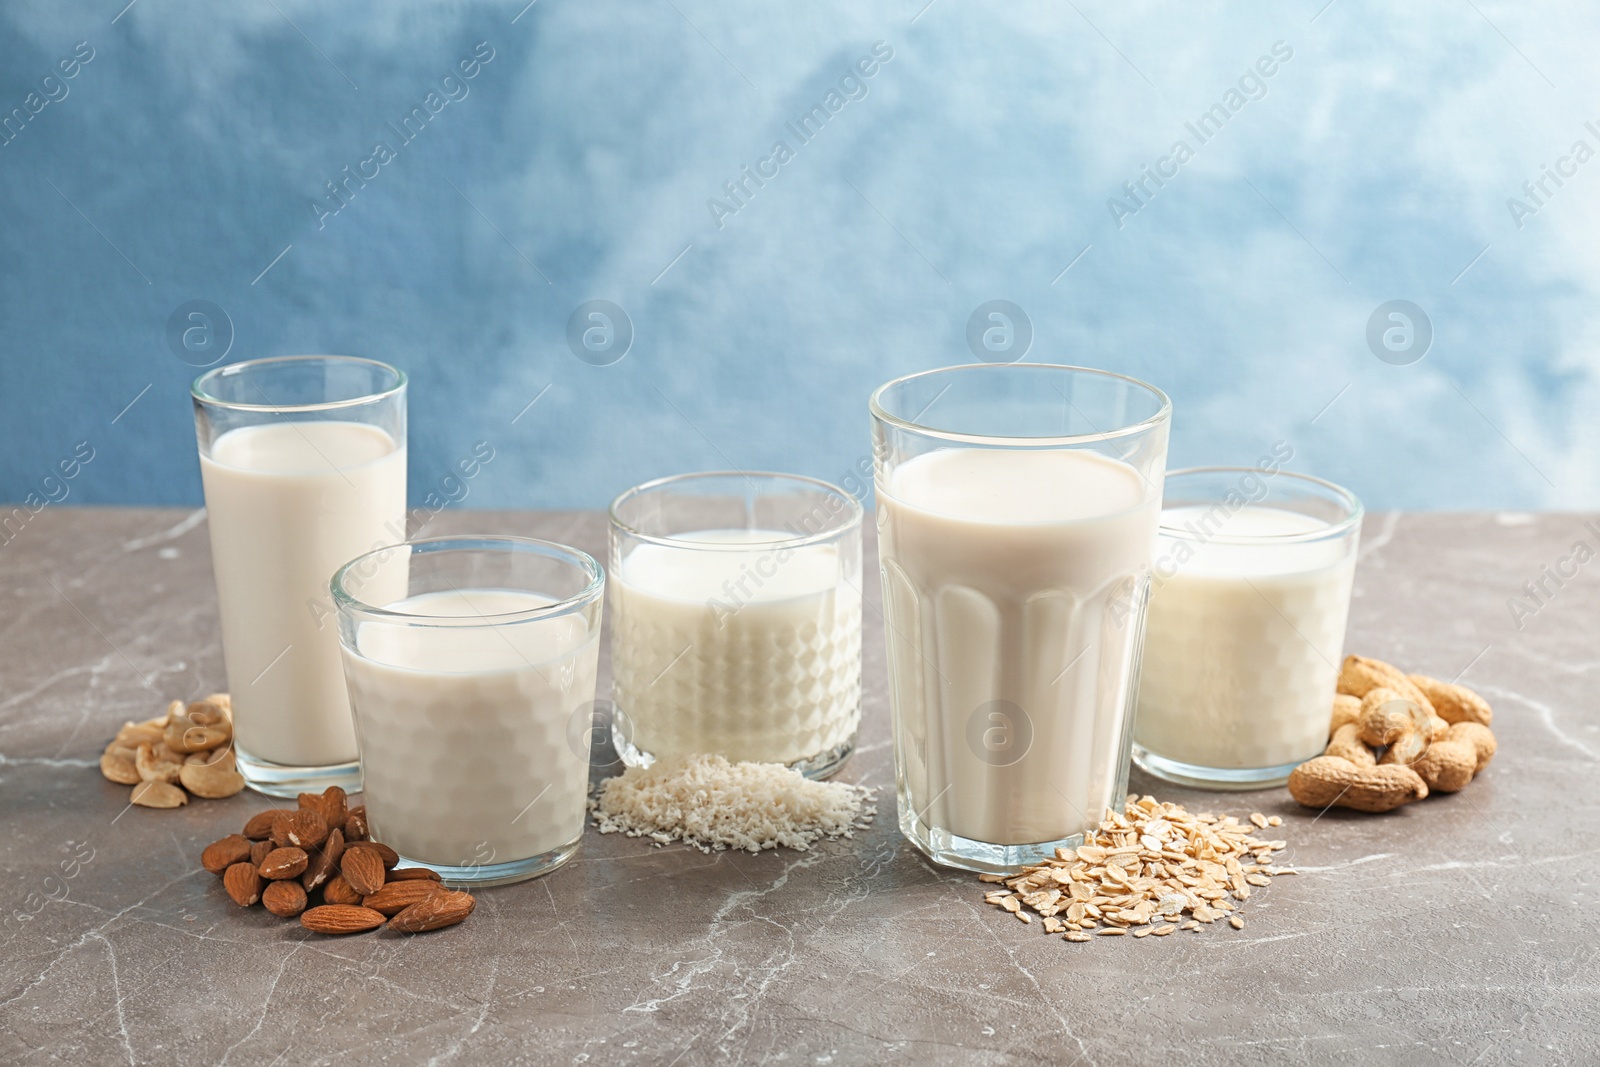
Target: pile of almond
(285,856)
(188,748)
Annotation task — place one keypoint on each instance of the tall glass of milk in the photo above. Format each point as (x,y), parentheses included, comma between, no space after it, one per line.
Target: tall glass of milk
(736,620)
(1249,598)
(471,663)
(1017,508)
(303,459)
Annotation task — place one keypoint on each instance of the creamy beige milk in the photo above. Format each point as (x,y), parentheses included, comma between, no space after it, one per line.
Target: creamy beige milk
(1008,576)
(288,504)
(753,653)
(467,756)
(1243,641)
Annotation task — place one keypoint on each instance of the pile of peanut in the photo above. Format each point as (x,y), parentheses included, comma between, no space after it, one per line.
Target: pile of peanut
(1394,738)
(286,856)
(188,748)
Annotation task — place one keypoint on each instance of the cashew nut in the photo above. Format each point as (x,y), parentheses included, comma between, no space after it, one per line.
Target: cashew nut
(118,767)
(198,728)
(211,775)
(152,768)
(159,794)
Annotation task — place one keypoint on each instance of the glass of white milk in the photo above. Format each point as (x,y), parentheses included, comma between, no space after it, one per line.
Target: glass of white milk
(303,459)
(471,664)
(1017,509)
(736,620)
(1249,596)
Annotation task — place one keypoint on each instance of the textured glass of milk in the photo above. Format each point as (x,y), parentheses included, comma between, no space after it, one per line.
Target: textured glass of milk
(1246,627)
(739,640)
(303,461)
(1014,584)
(473,703)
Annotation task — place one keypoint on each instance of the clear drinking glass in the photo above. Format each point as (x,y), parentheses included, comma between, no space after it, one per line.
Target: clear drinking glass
(1017,508)
(1250,594)
(303,459)
(471,664)
(736,620)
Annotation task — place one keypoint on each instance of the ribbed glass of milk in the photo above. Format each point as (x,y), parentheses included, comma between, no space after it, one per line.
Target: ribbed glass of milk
(736,620)
(1017,508)
(1249,596)
(303,459)
(471,663)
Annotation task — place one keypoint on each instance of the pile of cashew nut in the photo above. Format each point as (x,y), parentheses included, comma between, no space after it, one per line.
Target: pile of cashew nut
(1393,738)
(187,751)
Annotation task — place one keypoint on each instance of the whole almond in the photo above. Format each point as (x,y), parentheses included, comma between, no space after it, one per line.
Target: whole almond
(331,804)
(413,874)
(242,883)
(324,861)
(284,899)
(362,867)
(259,828)
(260,850)
(389,856)
(355,825)
(220,855)
(306,829)
(284,863)
(338,891)
(445,908)
(396,897)
(337,919)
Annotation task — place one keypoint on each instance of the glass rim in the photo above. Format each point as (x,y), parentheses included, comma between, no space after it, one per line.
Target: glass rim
(1354,509)
(1162,414)
(345,601)
(853,509)
(199,387)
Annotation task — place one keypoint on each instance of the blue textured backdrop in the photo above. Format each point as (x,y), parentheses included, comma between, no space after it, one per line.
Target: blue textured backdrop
(1349,155)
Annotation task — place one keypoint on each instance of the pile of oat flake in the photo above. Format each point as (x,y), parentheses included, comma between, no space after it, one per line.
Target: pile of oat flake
(1142,871)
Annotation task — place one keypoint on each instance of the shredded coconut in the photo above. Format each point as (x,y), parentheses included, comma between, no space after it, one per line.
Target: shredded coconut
(709,803)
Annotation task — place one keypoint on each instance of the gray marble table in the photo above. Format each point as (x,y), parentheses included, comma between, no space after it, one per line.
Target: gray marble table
(1461,930)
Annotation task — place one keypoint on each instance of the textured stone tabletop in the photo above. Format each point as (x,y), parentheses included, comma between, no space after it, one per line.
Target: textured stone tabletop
(1465,929)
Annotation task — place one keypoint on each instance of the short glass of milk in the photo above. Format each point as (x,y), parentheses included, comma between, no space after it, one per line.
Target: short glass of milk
(471,665)
(1016,508)
(736,620)
(303,459)
(1249,597)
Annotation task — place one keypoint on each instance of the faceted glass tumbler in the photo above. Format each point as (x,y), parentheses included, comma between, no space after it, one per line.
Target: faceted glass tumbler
(1250,594)
(736,620)
(471,665)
